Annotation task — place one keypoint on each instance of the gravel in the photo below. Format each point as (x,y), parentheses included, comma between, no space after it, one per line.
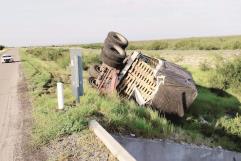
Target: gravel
(83,146)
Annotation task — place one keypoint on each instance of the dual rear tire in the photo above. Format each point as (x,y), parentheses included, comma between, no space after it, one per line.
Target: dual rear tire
(114,38)
(113,53)
(94,72)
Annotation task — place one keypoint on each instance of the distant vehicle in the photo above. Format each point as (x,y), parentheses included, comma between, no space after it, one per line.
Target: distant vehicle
(7,59)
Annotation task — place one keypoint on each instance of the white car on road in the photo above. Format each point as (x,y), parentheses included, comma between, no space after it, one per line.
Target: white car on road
(7,58)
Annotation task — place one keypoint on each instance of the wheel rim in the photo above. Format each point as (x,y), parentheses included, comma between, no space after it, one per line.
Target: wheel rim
(92,82)
(97,68)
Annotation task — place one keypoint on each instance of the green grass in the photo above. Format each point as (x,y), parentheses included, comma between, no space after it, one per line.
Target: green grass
(115,114)
(206,122)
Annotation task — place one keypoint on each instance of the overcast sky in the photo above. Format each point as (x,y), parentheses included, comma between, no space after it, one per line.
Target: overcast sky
(32,22)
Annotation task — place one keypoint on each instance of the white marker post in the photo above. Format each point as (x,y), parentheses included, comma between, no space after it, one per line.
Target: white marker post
(60,94)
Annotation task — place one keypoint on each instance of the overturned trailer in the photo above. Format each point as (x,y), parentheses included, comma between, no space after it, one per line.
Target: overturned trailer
(151,82)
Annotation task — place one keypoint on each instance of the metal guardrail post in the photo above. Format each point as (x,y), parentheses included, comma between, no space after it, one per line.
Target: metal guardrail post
(76,73)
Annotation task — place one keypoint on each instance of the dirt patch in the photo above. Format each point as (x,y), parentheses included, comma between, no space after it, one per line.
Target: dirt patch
(25,150)
(83,146)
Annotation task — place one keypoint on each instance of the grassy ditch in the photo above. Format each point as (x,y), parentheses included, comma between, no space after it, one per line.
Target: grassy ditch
(213,119)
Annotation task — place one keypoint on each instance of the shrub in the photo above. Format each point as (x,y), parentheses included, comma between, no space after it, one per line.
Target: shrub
(90,59)
(204,65)
(154,46)
(187,44)
(47,54)
(2,47)
(62,58)
(157,45)
(227,75)
(232,45)
(209,45)
(58,55)
(231,125)
(92,46)
(181,45)
(237,45)
(163,45)
(132,47)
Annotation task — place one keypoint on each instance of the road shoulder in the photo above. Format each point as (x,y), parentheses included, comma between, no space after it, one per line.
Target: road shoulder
(25,150)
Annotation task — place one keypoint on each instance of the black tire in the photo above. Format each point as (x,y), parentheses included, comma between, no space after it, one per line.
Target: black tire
(92,82)
(94,71)
(116,39)
(114,53)
(110,62)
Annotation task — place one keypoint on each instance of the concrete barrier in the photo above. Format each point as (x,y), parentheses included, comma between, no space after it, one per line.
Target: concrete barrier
(115,148)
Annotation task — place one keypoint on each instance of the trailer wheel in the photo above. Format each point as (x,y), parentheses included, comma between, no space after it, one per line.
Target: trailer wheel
(116,39)
(92,82)
(94,71)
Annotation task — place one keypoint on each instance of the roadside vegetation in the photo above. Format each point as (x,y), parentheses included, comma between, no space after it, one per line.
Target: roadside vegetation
(2,47)
(203,43)
(115,114)
(227,74)
(214,119)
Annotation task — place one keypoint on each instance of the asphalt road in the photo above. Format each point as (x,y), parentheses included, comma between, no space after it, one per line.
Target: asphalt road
(10,108)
